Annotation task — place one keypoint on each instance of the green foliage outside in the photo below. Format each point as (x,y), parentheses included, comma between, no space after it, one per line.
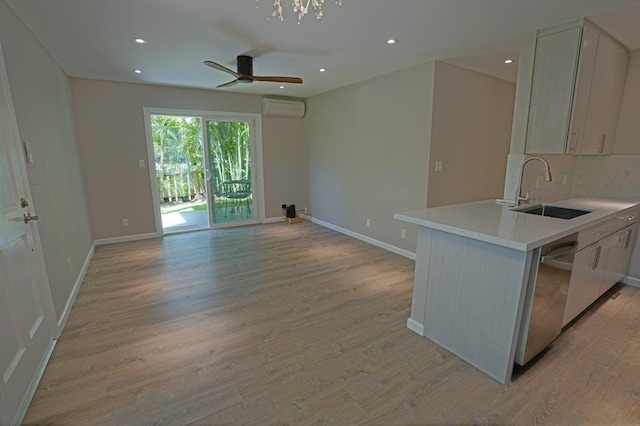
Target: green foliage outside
(179,155)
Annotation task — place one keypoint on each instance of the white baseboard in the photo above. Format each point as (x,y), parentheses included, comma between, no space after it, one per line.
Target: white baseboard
(22,411)
(274,219)
(377,243)
(126,238)
(74,292)
(635,282)
(415,326)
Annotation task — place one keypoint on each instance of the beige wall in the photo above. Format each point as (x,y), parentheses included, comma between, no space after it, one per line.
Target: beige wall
(41,99)
(285,159)
(471,132)
(111,134)
(368,153)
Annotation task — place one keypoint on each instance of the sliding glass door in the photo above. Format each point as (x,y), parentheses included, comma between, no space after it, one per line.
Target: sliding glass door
(231,181)
(180,172)
(203,170)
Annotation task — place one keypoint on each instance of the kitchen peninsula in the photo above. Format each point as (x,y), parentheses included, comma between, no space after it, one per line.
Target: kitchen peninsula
(475,263)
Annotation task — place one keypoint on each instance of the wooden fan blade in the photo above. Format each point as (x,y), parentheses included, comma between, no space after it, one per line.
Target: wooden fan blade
(220,68)
(276,79)
(229,84)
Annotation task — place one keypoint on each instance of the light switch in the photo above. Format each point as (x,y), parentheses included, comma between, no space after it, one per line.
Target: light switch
(141,164)
(439,166)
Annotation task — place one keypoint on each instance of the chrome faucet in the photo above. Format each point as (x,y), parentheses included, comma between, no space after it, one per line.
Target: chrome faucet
(547,178)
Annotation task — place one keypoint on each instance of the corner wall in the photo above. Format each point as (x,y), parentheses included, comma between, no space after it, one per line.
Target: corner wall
(368,153)
(41,99)
(471,132)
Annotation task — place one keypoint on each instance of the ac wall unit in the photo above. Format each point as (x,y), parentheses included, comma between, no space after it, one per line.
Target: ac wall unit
(283,107)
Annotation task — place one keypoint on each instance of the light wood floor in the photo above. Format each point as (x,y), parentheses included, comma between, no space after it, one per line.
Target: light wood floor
(297,324)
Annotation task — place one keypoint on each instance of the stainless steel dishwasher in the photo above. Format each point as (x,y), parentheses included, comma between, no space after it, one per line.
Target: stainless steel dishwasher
(546,297)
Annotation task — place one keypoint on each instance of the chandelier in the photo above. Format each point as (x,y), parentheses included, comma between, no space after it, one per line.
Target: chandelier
(300,8)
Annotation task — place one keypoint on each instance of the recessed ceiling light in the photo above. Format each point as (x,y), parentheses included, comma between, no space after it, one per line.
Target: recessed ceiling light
(140,40)
(508,61)
(392,41)
(138,71)
(282,87)
(322,69)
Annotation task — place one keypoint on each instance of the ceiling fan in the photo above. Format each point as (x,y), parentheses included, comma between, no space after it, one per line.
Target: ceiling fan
(245,73)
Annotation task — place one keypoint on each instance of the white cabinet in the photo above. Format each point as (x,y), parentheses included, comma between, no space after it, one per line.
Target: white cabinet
(552,91)
(577,85)
(603,256)
(599,89)
(620,248)
(586,279)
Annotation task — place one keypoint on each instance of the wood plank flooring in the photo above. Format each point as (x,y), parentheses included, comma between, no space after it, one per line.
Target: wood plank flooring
(297,324)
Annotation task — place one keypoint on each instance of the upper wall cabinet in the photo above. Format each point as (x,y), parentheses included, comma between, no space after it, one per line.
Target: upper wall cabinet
(576,91)
(552,90)
(600,86)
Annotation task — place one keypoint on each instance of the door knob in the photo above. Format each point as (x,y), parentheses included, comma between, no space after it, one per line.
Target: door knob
(28,218)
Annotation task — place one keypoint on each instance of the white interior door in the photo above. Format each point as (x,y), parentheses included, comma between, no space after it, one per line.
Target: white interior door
(25,320)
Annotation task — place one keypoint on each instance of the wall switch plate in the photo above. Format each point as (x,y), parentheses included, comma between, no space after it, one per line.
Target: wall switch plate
(439,166)
(368,223)
(403,233)
(564,179)
(125,223)
(141,164)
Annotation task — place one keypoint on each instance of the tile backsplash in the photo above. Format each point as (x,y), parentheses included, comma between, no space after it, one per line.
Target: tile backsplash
(610,176)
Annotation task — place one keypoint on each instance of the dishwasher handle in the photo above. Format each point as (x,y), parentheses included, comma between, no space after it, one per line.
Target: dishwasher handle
(560,250)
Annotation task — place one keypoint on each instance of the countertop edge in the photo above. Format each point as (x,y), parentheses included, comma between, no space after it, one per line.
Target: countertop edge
(513,244)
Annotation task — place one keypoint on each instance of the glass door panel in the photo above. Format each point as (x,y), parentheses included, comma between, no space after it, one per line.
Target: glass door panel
(230,148)
(180,172)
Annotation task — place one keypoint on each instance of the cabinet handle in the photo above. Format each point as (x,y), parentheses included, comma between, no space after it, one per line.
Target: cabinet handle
(596,258)
(574,141)
(603,138)
(627,239)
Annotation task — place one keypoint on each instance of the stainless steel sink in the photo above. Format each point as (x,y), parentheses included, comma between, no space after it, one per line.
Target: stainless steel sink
(552,211)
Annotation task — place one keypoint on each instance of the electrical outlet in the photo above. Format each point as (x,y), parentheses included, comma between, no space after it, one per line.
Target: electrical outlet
(439,166)
(305,210)
(125,223)
(284,206)
(403,233)
(368,223)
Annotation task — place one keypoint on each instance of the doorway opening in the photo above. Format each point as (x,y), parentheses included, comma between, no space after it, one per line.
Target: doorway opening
(203,169)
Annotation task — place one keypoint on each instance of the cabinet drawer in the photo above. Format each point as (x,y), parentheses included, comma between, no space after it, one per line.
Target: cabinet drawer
(595,233)
(625,219)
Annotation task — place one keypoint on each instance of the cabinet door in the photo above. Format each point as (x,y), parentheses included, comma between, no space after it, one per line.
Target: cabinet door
(586,279)
(618,257)
(588,50)
(607,87)
(552,92)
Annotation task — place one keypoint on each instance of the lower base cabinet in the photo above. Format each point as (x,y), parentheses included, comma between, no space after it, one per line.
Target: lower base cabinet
(586,279)
(597,268)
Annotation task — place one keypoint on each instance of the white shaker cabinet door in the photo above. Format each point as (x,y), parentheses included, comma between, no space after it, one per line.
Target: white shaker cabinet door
(607,87)
(552,92)
(586,279)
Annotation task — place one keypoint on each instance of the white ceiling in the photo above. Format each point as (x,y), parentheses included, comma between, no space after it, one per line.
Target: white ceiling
(94,38)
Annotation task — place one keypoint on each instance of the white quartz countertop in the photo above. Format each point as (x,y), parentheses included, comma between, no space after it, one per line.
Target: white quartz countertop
(499,224)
